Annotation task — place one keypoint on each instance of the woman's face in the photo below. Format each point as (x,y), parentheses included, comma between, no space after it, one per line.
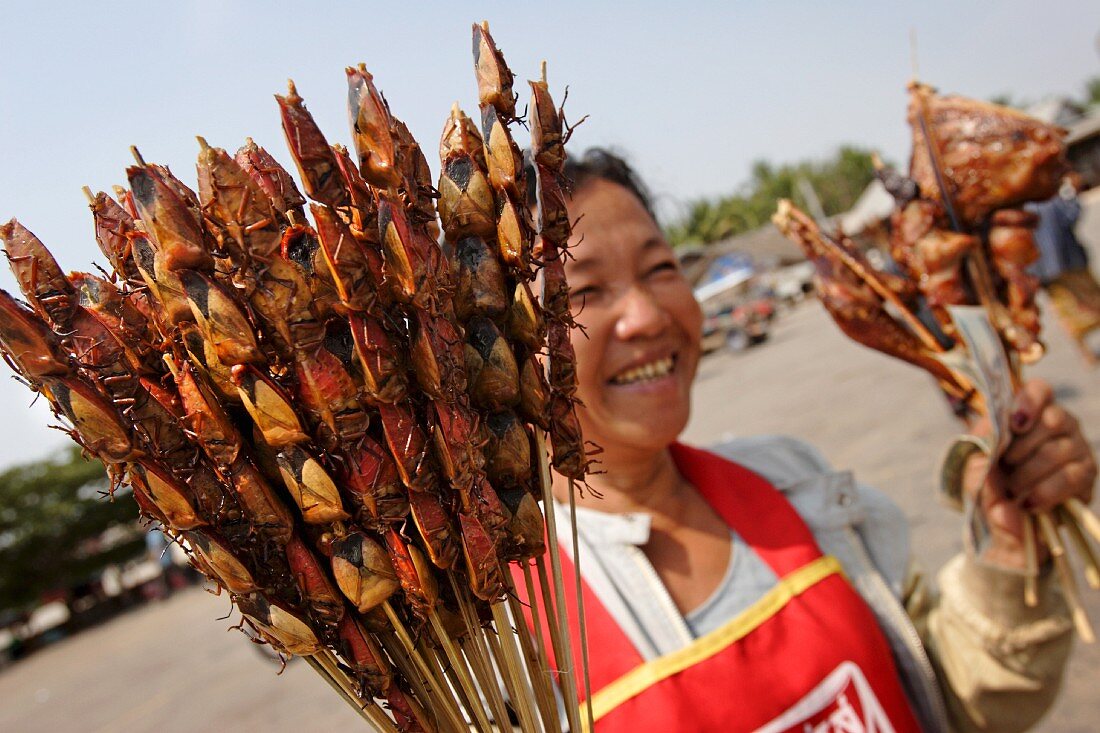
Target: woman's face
(642,326)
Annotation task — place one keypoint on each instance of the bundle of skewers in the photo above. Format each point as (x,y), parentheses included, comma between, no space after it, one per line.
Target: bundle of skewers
(339,415)
(959,237)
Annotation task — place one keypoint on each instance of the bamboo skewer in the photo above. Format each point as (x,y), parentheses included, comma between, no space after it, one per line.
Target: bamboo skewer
(372,711)
(443,670)
(539,673)
(580,610)
(564,654)
(514,691)
(426,689)
(1084,516)
(1065,575)
(1084,549)
(437,682)
(454,683)
(868,276)
(521,696)
(556,641)
(323,674)
(325,665)
(426,722)
(485,676)
(460,669)
(1031,562)
(474,647)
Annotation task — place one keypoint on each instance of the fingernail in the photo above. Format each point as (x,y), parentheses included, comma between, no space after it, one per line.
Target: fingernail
(1020,419)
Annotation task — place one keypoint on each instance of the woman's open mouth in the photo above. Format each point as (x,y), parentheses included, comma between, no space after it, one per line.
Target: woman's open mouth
(647,372)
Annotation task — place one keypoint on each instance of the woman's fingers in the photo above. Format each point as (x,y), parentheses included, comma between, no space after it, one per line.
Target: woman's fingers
(1058,469)
(1052,423)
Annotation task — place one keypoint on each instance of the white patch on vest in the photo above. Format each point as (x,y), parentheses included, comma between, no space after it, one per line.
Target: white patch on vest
(843,703)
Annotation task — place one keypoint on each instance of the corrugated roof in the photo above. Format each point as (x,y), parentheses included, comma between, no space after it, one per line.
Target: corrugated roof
(1085,128)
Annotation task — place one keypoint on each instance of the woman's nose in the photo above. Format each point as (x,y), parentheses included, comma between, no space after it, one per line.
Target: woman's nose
(640,315)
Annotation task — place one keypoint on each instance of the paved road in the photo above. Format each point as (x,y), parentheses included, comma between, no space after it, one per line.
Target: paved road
(172,666)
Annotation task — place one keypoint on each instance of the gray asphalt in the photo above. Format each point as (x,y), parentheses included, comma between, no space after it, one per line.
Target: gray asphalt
(173,666)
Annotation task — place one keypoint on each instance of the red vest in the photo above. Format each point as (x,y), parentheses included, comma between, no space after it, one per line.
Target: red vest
(807,657)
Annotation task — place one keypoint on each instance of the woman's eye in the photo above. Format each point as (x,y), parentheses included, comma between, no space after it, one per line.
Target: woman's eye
(578,295)
(662,268)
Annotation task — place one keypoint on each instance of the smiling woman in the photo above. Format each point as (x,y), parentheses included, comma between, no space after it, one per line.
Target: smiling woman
(642,323)
(756,569)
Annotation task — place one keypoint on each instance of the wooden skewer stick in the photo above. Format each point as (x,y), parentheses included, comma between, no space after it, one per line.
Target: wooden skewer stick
(461,671)
(1084,517)
(88,194)
(506,639)
(556,642)
(443,670)
(563,649)
(437,683)
(325,665)
(504,675)
(474,647)
(1031,561)
(537,660)
(432,691)
(370,709)
(427,721)
(535,657)
(580,609)
(323,674)
(1065,575)
(427,690)
(1084,549)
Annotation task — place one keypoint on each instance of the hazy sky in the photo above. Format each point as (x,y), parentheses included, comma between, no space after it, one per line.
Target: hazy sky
(692,95)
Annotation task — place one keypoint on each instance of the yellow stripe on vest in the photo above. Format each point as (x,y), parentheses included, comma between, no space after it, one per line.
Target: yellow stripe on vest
(646,675)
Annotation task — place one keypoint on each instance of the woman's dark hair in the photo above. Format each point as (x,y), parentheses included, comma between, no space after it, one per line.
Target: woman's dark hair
(596,164)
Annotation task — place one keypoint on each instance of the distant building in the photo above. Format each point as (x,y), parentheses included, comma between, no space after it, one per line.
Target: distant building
(1061,111)
(1082,133)
(1083,143)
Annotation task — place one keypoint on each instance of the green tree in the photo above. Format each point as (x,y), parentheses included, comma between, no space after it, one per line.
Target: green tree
(1092,92)
(53,516)
(1006,100)
(837,182)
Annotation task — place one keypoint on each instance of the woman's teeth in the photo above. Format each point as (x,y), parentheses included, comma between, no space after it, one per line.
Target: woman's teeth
(652,370)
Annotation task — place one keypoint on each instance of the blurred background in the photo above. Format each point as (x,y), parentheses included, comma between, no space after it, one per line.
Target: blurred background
(723,109)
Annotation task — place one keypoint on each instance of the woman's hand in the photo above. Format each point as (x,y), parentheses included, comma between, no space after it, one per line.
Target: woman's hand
(1047,462)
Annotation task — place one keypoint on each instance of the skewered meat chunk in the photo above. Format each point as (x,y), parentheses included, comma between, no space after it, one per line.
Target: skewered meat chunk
(855,306)
(1012,246)
(933,258)
(991,157)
